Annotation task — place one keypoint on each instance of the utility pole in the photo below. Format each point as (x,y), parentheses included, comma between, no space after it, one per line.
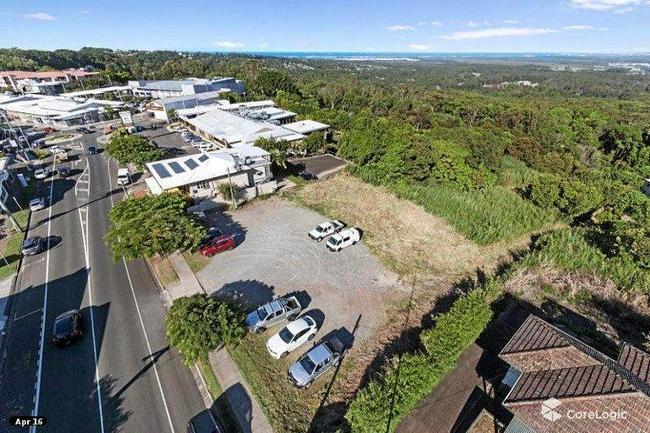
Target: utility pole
(232,193)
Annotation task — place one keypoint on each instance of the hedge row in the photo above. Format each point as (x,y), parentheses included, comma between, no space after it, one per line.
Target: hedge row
(400,388)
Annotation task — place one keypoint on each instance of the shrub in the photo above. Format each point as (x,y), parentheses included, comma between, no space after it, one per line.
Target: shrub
(400,388)
(199,324)
(132,149)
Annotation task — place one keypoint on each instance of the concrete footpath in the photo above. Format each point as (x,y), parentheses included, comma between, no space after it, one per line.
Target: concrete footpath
(244,406)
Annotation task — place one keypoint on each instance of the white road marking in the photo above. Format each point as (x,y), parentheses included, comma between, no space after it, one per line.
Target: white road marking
(137,307)
(26,314)
(37,386)
(85,240)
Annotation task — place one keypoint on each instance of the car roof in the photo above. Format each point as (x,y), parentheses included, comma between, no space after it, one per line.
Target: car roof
(36,199)
(319,353)
(298,325)
(121,171)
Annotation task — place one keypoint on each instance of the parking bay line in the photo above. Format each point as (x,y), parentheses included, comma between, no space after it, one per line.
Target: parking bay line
(26,314)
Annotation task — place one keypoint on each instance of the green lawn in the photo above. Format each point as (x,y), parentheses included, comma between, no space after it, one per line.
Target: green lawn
(9,262)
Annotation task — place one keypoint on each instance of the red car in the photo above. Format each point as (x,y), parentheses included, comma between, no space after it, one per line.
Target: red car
(49,130)
(218,245)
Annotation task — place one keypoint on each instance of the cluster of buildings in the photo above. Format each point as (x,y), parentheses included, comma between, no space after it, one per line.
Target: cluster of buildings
(45,83)
(40,109)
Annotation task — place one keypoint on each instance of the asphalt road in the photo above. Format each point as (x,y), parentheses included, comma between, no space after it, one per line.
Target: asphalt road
(121,376)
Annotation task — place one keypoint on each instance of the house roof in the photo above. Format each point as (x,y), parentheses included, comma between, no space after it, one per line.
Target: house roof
(636,361)
(47,74)
(568,382)
(535,334)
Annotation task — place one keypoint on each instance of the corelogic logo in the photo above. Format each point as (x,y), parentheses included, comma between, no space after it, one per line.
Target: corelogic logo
(548,409)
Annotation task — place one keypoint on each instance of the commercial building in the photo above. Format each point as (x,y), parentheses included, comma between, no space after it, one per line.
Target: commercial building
(161,107)
(233,130)
(55,110)
(48,82)
(160,89)
(248,169)
(559,384)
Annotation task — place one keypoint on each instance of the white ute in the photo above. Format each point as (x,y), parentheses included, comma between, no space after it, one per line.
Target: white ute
(123,176)
(343,239)
(327,228)
(291,337)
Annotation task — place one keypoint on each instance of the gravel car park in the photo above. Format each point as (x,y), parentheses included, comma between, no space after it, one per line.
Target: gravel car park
(274,258)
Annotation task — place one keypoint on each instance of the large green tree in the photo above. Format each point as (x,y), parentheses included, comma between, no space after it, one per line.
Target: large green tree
(199,324)
(133,149)
(151,225)
(278,150)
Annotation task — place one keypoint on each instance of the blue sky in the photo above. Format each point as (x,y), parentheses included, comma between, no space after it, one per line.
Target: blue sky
(331,25)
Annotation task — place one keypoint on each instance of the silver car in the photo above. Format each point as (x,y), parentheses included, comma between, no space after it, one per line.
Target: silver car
(317,361)
(37,203)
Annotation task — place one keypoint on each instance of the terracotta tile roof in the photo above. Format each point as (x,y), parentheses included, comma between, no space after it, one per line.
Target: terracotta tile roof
(636,361)
(568,382)
(46,74)
(535,334)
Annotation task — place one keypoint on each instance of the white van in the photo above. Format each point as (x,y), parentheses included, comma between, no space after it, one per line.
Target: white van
(123,176)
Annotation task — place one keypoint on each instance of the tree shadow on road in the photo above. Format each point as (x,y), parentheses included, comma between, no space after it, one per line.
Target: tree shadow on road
(114,414)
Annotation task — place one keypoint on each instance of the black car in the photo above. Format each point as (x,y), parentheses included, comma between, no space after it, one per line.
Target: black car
(67,328)
(92,150)
(32,246)
(84,130)
(307,175)
(205,422)
(213,233)
(64,172)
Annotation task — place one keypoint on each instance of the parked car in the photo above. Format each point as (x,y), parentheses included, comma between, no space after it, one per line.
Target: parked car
(84,130)
(37,203)
(64,172)
(343,239)
(307,175)
(32,246)
(325,229)
(317,361)
(271,313)
(205,422)
(67,328)
(123,176)
(57,149)
(218,245)
(49,130)
(41,173)
(213,233)
(291,337)
(92,150)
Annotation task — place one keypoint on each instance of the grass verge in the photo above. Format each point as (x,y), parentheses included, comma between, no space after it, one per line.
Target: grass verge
(195,260)
(163,270)
(11,257)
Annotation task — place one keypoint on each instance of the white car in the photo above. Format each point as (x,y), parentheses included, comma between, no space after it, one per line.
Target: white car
(57,149)
(343,239)
(324,230)
(41,173)
(292,336)
(37,204)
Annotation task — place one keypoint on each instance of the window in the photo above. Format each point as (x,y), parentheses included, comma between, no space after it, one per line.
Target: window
(203,185)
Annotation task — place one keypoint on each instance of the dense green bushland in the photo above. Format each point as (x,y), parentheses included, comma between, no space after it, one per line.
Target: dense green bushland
(398,390)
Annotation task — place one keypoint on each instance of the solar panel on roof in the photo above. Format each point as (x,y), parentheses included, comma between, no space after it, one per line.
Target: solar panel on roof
(203,158)
(191,164)
(176,167)
(161,170)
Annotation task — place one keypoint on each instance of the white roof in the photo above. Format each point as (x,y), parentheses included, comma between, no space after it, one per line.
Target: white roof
(235,129)
(306,126)
(96,91)
(199,109)
(187,170)
(249,105)
(54,106)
